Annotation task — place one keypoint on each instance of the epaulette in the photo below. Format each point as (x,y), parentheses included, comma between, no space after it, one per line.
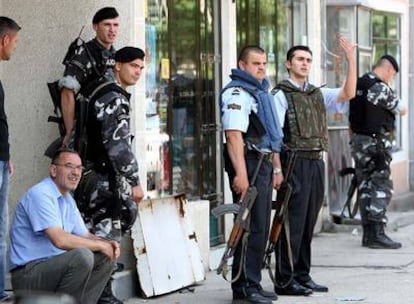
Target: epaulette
(274,91)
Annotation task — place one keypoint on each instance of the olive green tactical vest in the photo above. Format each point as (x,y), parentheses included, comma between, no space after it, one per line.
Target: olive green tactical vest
(305,123)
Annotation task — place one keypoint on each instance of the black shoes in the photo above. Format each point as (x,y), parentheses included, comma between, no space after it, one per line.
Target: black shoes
(366,234)
(293,289)
(253,298)
(268,294)
(260,296)
(109,299)
(313,286)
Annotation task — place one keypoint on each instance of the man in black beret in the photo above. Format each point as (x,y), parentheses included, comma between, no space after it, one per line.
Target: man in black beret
(110,204)
(85,64)
(372,121)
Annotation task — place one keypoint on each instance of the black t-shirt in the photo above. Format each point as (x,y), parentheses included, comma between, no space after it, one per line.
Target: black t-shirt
(4,129)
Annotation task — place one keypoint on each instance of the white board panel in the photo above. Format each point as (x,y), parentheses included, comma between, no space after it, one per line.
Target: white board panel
(165,245)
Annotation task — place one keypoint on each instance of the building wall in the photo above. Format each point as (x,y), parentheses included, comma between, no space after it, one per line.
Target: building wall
(48,27)
(411,93)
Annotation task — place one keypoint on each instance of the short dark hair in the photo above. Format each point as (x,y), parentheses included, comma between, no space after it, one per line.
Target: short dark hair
(7,25)
(58,152)
(291,52)
(245,51)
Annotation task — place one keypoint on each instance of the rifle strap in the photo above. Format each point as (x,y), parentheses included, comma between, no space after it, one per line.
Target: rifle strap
(92,59)
(289,253)
(242,266)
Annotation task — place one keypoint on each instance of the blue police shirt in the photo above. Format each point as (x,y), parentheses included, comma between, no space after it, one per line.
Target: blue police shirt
(40,208)
(237,104)
(330,97)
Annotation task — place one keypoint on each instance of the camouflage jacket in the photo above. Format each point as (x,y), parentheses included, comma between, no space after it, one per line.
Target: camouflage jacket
(109,134)
(79,68)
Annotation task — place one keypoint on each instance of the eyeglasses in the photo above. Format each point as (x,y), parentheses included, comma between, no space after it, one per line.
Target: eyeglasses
(71,166)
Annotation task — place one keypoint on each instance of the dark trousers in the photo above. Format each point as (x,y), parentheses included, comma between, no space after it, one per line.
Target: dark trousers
(80,273)
(304,206)
(248,256)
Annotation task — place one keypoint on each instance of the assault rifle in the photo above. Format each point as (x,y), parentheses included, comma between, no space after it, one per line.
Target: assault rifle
(55,95)
(282,201)
(241,223)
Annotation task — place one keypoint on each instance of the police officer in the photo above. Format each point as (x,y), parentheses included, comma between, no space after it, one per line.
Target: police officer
(372,120)
(302,111)
(110,188)
(88,64)
(248,111)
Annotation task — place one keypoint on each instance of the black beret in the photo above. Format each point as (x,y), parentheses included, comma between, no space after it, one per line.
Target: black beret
(392,61)
(105,13)
(128,54)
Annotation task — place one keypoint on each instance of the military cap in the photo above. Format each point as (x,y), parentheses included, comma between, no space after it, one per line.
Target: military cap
(392,61)
(105,13)
(128,54)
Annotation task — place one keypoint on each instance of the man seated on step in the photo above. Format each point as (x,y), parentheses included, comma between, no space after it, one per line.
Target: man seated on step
(50,247)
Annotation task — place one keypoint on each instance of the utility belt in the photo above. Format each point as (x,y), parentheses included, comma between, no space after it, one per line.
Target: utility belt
(256,155)
(375,134)
(313,155)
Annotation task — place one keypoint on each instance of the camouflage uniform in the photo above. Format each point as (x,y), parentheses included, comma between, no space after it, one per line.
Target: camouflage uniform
(81,72)
(371,149)
(372,156)
(105,190)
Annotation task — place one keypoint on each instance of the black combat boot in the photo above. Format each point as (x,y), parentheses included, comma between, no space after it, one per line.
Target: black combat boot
(379,240)
(366,234)
(107,296)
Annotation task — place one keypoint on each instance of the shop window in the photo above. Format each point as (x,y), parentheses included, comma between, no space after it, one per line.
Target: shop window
(376,33)
(275,25)
(181,88)
(157,73)
(386,40)
(342,21)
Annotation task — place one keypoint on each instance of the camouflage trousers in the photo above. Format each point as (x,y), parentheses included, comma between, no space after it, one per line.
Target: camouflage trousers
(372,156)
(107,212)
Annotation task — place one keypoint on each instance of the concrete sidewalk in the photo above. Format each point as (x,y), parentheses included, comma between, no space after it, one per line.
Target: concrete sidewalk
(353,273)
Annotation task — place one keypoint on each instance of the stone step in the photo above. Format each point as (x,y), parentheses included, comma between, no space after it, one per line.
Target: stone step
(127,257)
(402,202)
(125,284)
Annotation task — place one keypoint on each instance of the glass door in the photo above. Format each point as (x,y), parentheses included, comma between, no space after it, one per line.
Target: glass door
(182,86)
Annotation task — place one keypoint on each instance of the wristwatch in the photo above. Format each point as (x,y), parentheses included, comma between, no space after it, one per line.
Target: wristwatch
(277,171)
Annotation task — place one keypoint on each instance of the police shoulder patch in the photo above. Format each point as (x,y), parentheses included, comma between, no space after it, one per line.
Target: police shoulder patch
(235,91)
(234,106)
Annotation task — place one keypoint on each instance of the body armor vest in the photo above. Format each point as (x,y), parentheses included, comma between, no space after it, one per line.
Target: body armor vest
(264,124)
(305,126)
(103,58)
(97,153)
(364,116)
